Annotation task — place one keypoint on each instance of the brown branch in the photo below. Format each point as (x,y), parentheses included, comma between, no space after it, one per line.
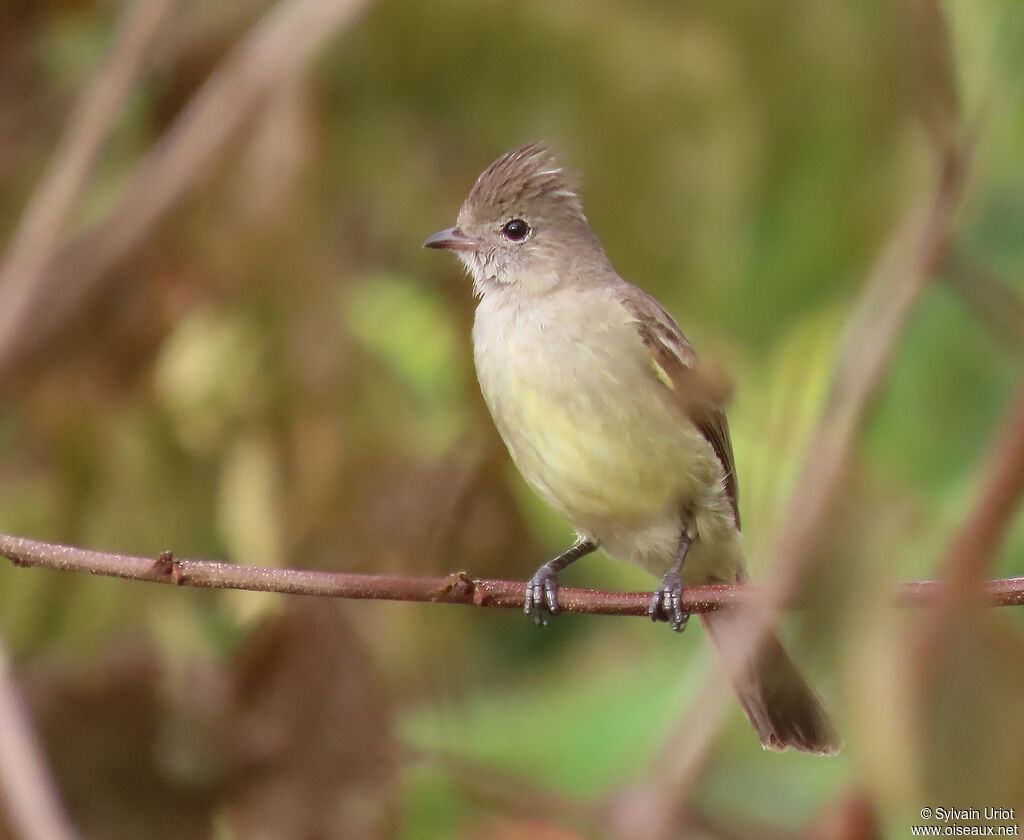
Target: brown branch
(289,34)
(29,796)
(974,546)
(38,233)
(993,300)
(873,334)
(456,588)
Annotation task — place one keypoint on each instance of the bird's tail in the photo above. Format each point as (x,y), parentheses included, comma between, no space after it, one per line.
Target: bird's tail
(784,709)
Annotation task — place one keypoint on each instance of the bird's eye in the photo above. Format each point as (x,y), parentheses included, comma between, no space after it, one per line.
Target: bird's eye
(516,230)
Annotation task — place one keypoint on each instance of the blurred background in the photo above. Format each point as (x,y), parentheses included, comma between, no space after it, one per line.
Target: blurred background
(219,335)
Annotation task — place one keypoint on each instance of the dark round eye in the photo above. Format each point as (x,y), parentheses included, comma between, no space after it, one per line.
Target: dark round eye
(516,229)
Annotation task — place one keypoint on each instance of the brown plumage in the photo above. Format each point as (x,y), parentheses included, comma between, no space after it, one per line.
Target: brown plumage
(529,176)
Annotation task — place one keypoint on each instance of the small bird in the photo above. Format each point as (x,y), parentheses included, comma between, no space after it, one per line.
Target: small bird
(600,400)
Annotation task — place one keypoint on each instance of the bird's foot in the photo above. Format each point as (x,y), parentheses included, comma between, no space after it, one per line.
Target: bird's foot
(667,602)
(542,595)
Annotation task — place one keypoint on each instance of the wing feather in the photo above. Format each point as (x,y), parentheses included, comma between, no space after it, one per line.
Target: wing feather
(698,394)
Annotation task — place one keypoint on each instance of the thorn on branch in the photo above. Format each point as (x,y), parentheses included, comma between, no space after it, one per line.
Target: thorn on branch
(166,565)
(458,586)
(481,597)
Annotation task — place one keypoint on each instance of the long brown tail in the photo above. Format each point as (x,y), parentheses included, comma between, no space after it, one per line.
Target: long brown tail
(784,709)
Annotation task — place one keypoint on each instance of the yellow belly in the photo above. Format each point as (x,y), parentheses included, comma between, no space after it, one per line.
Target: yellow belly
(590,428)
(587,458)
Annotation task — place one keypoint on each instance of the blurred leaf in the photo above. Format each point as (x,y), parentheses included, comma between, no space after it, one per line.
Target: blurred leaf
(292,742)
(209,374)
(249,505)
(249,514)
(595,728)
(973,719)
(308,724)
(411,329)
(519,830)
(773,416)
(101,727)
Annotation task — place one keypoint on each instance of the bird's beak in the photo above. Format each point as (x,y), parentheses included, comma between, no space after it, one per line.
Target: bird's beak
(452,239)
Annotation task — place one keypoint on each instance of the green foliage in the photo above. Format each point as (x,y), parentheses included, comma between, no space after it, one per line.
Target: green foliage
(281,375)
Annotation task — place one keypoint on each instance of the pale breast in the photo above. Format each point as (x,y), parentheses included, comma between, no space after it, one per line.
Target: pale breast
(572,392)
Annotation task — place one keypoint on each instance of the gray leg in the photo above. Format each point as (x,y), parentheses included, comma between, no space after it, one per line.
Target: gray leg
(667,602)
(542,590)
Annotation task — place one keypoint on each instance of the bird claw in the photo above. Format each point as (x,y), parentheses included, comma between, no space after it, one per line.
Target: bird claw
(542,596)
(667,603)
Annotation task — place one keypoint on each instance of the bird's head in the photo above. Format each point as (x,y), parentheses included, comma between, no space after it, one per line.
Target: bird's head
(522,224)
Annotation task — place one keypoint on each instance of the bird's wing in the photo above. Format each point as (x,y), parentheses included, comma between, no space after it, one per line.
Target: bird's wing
(697,392)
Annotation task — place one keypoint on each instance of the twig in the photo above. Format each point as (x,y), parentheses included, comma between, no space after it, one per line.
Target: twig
(873,334)
(38,233)
(286,37)
(974,546)
(995,302)
(456,588)
(29,795)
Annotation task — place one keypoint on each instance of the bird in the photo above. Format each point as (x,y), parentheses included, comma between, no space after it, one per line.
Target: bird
(604,408)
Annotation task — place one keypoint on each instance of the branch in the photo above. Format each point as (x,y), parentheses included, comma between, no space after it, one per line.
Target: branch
(30,798)
(287,37)
(974,546)
(873,333)
(38,233)
(993,300)
(456,588)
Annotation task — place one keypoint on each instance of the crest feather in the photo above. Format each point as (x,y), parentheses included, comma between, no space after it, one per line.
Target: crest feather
(524,177)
